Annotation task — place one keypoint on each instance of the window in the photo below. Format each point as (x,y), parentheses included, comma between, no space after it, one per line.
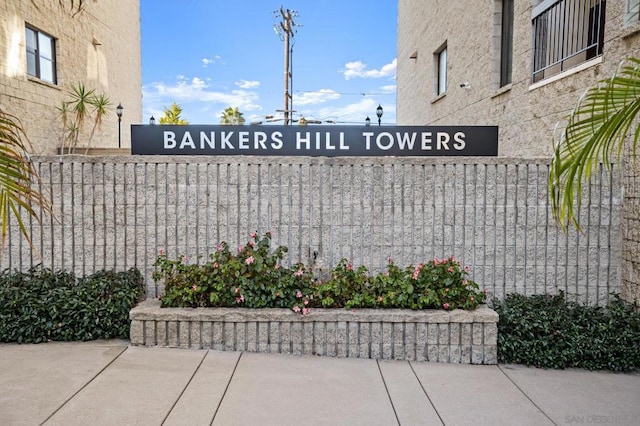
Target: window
(441,62)
(566,33)
(41,54)
(506,42)
(632,12)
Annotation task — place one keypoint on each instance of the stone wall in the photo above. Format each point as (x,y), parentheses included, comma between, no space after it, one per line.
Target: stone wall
(528,115)
(490,213)
(467,337)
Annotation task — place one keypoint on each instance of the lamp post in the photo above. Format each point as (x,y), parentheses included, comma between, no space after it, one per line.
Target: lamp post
(119,110)
(367,121)
(152,120)
(379,114)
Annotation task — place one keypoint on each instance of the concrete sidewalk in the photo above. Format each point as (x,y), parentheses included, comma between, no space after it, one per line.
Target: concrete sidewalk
(111,383)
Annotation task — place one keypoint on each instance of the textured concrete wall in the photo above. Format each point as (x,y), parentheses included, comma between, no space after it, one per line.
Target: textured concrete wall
(527,115)
(112,67)
(492,214)
(468,337)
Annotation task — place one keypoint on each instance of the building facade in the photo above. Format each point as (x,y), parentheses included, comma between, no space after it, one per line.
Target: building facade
(521,65)
(48,47)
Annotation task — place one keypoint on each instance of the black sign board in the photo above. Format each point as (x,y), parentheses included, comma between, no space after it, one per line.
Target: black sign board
(315,141)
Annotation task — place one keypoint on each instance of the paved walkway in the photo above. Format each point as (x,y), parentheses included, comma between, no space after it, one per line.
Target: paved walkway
(112,383)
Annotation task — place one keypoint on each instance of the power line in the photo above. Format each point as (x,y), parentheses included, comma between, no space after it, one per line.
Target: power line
(346,93)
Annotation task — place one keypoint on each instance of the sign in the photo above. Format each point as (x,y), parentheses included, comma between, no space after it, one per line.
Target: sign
(315,141)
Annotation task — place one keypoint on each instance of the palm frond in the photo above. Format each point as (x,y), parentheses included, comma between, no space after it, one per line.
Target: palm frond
(17,178)
(596,132)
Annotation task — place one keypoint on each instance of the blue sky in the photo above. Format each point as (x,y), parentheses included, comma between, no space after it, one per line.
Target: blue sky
(207,55)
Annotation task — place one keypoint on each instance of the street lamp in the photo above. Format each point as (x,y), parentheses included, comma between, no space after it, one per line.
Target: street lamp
(119,110)
(152,120)
(379,114)
(367,121)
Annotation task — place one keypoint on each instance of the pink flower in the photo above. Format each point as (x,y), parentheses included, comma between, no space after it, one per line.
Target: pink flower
(446,290)
(416,271)
(161,251)
(445,305)
(194,287)
(305,311)
(215,264)
(240,299)
(306,302)
(298,273)
(436,262)
(472,298)
(219,247)
(237,290)
(467,269)
(450,269)
(240,248)
(253,235)
(350,266)
(249,260)
(185,258)
(298,294)
(252,244)
(464,282)
(296,309)
(386,273)
(380,299)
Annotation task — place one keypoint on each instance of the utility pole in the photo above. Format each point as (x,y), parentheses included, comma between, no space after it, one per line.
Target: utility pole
(286,30)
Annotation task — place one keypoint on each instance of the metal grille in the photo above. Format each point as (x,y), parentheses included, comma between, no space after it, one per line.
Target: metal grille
(491,214)
(565,34)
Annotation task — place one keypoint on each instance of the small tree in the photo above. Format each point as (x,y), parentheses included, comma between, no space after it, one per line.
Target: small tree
(172,116)
(84,104)
(232,116)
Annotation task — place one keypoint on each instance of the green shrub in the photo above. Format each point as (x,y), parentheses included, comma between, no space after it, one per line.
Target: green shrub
(552,332)
(41,305)
(254,278)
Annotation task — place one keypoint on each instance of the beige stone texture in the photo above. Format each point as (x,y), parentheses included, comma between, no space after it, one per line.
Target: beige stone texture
(363,333)
(526,116)
(99,47)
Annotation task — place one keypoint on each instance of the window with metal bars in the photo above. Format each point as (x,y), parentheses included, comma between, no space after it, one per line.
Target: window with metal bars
(566,33)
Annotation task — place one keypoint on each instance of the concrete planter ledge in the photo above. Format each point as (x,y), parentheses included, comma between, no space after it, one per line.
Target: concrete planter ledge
(457,336)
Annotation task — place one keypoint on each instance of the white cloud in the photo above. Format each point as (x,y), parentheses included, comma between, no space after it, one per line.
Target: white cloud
(359,69)
(187,93)
(206,62)
(245,84)
(390,88)
(314,98)
(354,113)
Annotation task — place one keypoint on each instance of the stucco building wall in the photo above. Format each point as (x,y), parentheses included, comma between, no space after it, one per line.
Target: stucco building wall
(99,47)
(526,114)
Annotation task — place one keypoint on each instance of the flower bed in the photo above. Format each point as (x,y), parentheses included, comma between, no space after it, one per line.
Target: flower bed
(457,336)
(247,301)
